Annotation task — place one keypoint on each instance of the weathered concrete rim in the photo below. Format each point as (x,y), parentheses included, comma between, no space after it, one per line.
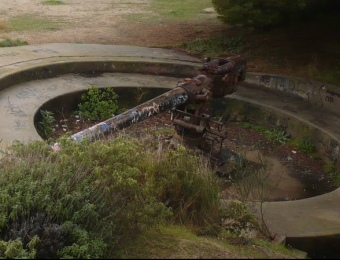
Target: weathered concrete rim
(53,68)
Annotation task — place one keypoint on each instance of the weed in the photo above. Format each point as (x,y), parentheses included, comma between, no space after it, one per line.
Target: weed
(45,126)
(98,104)
(12,43)
(277,136)
(304,145)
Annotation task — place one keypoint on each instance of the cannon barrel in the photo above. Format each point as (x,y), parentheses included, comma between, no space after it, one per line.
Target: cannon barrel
(160,104)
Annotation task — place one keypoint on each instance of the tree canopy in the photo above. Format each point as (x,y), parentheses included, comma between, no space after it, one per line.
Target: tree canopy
(266,14)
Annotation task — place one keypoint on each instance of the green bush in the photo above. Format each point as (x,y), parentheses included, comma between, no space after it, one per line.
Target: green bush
(87,199)
(98,104)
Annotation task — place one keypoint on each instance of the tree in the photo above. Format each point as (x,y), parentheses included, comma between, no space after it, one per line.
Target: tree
(259,14)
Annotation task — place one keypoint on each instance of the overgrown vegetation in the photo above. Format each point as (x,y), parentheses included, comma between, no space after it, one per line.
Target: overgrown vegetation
(92,199)
(98,104)
(88,198)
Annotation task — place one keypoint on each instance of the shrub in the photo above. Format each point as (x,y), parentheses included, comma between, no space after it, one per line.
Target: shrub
(87,199)
(98,104)
(237,219)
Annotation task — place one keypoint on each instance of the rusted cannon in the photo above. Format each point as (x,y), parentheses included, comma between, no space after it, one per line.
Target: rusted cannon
(216,78)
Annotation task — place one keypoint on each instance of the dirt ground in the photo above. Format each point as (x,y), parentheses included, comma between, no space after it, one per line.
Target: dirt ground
(107,22)
(104,22)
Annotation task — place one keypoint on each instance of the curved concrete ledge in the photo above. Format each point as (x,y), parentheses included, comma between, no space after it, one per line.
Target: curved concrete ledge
(20,96)
(25,63)
(319,94)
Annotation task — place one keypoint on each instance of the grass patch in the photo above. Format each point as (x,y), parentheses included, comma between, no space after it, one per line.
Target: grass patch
(31,22)
(213,46)
(52,2)
(178,9)
(178,242)
(12,43)
(165,11)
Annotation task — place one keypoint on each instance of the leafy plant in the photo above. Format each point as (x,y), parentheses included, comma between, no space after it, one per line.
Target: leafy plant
(45,126)
(305,145)
(98,104)
(277,136)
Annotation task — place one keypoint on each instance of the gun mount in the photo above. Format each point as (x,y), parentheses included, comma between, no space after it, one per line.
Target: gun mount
(187,102)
